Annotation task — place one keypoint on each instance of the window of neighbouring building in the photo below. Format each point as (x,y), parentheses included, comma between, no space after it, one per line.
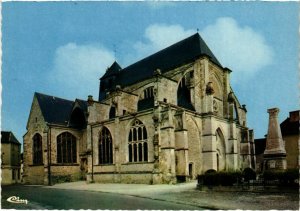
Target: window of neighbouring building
(66,148)
(105,147)
(137,143)
(37,150)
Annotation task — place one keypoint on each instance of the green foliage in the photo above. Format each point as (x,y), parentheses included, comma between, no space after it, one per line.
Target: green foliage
(223,178)
(272,175)
(287,177)
(61,179)
(249,174)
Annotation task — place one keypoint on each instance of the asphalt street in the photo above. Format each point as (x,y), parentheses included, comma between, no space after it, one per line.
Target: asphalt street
(40,197)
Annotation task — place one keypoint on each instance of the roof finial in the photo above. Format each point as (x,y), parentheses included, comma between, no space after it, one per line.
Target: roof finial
(197,30)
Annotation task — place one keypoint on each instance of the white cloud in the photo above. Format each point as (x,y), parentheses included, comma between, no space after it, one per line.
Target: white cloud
(77,69)
(160,36)
(237,47)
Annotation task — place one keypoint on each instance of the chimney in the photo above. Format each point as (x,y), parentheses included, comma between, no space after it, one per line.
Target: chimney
(294,116)
(90,100)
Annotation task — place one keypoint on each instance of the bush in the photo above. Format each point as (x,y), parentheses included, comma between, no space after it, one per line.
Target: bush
(287,177)
(213,178)
(249,174)
(61,179)
(271,175)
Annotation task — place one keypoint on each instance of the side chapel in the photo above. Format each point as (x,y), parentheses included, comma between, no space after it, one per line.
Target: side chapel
(164,119)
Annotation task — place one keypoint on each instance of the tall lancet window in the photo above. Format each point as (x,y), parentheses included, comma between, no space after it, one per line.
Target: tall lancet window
(66,148)
(137,143)
(37,149)
(105,147)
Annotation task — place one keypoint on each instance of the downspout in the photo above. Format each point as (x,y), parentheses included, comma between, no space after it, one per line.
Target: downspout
(49,157)
(50,160)
(92,154)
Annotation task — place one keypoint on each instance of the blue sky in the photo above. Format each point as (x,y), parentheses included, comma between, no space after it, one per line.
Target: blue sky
(63,48)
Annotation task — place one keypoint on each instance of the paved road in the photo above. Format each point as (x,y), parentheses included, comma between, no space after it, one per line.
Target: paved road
(40,197)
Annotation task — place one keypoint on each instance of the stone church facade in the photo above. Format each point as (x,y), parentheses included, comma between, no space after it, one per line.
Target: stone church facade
(164,119)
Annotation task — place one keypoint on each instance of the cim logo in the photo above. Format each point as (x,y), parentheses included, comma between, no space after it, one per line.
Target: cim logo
(17,200)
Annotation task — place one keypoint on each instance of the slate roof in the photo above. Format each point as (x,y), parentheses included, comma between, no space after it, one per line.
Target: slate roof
(8,137)
(290,126)
(178,54)
(260,145)
(83,104)
(145,104)
(55,110)
(112,70)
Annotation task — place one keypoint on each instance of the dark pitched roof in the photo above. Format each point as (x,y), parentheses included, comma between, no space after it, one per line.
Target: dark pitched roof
(290,126)
(180,53)
(112,70)
(55,110)
(260,145)
(8,137)
(83,104)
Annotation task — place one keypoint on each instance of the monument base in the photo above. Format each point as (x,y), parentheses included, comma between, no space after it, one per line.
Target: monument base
(275,163)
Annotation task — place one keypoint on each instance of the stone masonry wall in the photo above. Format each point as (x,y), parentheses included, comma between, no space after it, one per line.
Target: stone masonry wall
(36,124)
(292,150)
(119,128)
(195,147)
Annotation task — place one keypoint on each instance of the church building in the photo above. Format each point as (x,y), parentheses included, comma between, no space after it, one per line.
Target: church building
(164,119)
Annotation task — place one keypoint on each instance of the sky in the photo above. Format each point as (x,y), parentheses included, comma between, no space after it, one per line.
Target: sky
(63,48)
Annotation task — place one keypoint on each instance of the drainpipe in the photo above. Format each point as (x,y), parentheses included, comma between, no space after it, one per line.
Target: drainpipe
(49,157)
(92,154)
(48,162)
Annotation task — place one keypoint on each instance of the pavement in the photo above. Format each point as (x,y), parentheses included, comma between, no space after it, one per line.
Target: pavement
(128,189)
(42,197)
(187,193)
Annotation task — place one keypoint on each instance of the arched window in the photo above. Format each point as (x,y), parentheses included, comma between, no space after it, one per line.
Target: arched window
(66,148)
(137,143)
(37,150)
(184,95)
(105,147)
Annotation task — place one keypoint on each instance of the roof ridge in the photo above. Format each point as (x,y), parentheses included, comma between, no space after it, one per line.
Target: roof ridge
(179,53)
(46,95)
(114,68)
(6,131)
(80,100)
(11,137)
(168,47)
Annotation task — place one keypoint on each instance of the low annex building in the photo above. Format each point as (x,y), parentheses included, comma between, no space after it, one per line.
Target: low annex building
(10,158)
(164,119)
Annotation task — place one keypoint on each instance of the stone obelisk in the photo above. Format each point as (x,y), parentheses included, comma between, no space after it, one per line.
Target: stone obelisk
(274,154)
